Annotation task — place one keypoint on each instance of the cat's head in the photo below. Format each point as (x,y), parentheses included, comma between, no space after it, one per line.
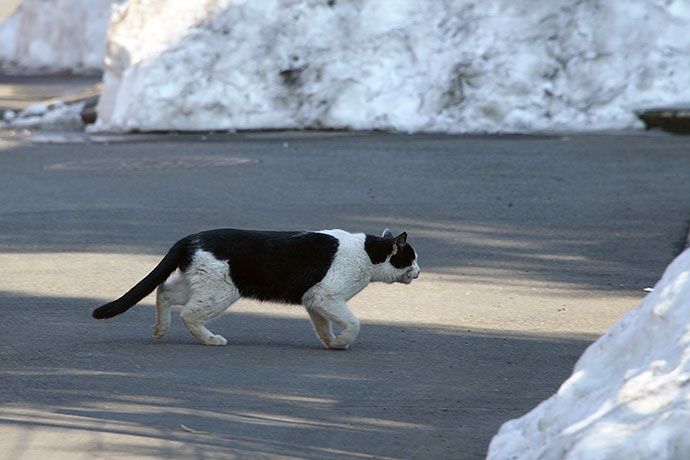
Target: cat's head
(395,261)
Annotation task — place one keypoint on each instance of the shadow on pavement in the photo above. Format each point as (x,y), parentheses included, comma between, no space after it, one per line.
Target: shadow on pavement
(594,212)
(401,391)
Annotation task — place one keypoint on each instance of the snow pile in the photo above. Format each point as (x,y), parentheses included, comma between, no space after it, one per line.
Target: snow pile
(57,116)
(55,35)
(629,395)
(409,65)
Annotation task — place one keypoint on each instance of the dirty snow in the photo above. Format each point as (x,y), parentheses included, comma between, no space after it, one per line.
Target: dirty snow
(406,65)
(57,117)
(55,35)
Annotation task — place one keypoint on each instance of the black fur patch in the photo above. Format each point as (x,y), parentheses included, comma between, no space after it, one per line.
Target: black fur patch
(277,266)
(404,257)
(378,248)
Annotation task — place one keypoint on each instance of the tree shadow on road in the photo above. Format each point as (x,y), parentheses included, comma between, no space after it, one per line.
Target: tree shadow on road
(401,391)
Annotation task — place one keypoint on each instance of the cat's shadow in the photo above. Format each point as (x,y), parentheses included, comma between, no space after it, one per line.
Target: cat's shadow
(272,380)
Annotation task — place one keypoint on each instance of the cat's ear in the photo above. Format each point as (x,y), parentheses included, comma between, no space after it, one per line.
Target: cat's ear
(400,240)
(398,243)
(387,233)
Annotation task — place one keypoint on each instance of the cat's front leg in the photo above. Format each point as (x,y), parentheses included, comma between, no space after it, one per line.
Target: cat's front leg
(338,313)
(322,327)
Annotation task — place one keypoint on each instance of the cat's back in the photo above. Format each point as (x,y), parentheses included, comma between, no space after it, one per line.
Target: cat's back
(234,244)
(271,265)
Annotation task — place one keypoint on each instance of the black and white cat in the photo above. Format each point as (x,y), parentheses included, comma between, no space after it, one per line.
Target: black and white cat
(320,270)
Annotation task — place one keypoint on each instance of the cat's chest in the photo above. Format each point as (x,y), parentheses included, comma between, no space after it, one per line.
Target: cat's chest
(349,273)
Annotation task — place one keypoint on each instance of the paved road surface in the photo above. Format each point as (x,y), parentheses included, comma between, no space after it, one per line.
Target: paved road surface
(530,247)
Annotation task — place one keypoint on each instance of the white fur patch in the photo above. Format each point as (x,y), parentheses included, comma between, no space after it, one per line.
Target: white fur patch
(210,292)
(350,271)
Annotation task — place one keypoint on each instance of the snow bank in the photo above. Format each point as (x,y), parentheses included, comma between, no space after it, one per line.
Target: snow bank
(409,65)
(629,395)
(55,35)
(56,117)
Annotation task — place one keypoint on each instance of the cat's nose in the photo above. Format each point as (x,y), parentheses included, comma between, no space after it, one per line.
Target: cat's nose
(416,275)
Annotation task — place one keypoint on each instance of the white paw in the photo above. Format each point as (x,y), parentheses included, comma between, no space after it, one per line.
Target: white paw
(216,340)
(327,340)
(159,331)
(340,343)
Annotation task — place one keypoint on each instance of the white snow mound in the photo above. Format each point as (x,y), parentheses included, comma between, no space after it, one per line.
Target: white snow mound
(55,35)
(57,117)
(408,65)
(629,395)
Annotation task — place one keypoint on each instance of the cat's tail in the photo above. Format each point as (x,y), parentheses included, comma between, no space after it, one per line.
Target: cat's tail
(172,260)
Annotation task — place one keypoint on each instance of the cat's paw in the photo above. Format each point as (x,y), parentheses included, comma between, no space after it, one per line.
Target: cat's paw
(339,343)
(216,340)
(326,339)
(159,330)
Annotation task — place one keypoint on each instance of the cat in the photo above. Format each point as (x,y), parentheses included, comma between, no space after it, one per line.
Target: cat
(321,270)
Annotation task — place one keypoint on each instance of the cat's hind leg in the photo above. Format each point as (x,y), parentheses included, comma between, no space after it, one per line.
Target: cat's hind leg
(202,308)
(172,292)
(211,292)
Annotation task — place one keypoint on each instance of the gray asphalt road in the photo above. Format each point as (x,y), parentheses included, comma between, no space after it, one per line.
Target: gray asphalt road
(530,247)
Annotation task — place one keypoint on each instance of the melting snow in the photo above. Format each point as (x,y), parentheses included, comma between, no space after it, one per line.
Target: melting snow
(629,394)
(408,65)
